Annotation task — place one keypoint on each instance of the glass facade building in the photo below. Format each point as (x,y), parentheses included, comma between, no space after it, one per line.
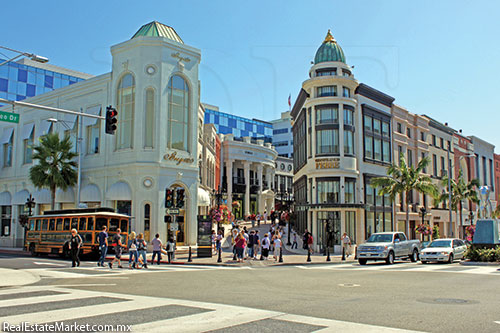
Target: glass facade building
(19,81)
(240,127)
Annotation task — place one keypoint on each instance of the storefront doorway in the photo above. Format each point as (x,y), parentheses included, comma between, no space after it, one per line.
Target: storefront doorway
(325,221)
(176,229)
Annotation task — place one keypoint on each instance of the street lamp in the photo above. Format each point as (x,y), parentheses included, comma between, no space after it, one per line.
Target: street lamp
(218,198)
(79,151)
(32,56)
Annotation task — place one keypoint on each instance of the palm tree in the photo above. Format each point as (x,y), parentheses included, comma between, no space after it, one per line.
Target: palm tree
(460,190)
(55,168)
(402,179)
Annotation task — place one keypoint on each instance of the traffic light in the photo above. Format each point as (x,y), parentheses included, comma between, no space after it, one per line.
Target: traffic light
(111,120)
(169,198)
(180,198)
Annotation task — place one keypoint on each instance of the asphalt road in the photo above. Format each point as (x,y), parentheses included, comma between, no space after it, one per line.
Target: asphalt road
(447,301)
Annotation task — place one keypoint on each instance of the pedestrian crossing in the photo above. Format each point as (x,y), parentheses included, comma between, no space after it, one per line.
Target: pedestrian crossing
(82,272)
(57,305)
(412,267)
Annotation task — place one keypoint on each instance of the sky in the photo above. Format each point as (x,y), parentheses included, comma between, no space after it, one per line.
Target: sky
(440,58)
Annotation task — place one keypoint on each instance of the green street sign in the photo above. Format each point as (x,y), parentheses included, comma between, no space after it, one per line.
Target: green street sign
(9,117)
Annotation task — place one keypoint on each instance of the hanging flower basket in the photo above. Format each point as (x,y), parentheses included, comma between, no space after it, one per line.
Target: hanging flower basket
(470,230)
(424,229)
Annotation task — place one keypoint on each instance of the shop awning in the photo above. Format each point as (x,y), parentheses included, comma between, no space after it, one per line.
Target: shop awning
(96,111)
(90,193)
(5,199)
(20,197)
(45,126)
(119,191)
(42,197)
(69,121)
(203,198)
(6,135)
(67,196)
(27,130)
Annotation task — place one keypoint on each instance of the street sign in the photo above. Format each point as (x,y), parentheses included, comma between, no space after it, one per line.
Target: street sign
(172,211)
(9,117)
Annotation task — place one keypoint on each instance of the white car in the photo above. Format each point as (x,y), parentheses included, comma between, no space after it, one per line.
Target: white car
(445,249)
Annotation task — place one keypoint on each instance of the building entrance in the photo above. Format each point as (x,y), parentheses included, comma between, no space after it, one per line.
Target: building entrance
(176,229)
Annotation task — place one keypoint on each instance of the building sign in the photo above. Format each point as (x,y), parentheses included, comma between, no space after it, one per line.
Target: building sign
(9,117)
(173,157)
(172,211)
(327,163)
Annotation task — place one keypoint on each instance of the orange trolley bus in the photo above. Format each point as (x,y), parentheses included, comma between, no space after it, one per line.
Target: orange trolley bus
(50,232)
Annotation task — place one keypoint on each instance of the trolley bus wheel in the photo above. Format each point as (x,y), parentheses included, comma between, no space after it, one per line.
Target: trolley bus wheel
(33,250)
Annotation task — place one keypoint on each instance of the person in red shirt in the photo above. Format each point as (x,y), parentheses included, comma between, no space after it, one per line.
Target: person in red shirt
(240,245)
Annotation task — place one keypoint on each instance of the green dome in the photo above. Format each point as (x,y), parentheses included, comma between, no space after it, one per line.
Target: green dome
(329,51)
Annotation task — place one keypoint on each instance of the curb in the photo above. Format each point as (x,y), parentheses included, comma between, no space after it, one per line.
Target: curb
(479,263)
(8,251)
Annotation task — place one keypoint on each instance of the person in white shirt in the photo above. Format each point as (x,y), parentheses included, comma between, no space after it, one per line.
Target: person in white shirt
(277,246)
(245,251)
(265,247)
(265,217)
(346,242)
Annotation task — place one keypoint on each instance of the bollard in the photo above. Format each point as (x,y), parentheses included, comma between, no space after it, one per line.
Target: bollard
(308,255)
(189,257)
(219,259)
(343,253)
(281,254)
(328,254)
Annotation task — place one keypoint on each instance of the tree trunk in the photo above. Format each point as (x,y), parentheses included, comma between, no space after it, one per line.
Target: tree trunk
(407,199)
(460,229)
(52,197)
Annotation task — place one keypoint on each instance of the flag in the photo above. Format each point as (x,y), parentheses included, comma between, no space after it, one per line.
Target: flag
(290,101)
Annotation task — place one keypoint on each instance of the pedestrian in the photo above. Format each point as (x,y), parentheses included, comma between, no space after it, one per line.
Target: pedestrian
(265,217)
(258,219)
(265,247)
(251,244)
(245,250)
(103,245)
(170,249)
(346,244)
(294,240)
(213,238)
(157,245)
(305,237)
(219,241)
(132,250)
(310,243)
(256,245)
(118,246)
(75,242)
(240,246)
(277,246)
(142,250)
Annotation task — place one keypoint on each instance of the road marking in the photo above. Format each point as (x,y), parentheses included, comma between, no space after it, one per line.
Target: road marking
(85,285)
(302,267)
(48,263)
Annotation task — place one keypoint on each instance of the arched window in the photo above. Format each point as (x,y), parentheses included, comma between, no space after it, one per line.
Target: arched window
(178,104)
(149,120)
(125,106)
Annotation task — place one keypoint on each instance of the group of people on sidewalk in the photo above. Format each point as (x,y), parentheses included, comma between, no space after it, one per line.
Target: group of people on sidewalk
(136,246)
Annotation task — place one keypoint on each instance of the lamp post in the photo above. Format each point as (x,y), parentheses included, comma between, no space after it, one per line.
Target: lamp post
(32,56)
(218,198)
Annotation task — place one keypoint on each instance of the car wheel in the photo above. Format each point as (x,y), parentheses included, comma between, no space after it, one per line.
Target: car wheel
(414,256)
(390,258)
(33,250)
(450,259)
(362,261)
(424,262)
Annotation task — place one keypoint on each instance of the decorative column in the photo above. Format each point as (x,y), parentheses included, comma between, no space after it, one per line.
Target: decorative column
(246,166)
(260,204)
(268,177)
(229,177)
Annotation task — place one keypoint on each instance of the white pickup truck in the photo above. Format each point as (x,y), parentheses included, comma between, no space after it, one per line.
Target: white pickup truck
(388,246)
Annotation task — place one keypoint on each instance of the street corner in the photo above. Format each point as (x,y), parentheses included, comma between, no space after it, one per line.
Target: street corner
(14,277)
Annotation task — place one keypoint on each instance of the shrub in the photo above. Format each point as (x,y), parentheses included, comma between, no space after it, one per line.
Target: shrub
(483,255)
(472,254)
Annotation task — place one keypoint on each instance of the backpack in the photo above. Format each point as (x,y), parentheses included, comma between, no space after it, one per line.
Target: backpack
(310,239)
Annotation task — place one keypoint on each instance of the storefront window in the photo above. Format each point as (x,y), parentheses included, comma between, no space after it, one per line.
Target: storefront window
(350,226)
(178,101)
(328,191)
(6,214)
(124,207)
(348,142)
(332,235)
(149,121)
(349,194)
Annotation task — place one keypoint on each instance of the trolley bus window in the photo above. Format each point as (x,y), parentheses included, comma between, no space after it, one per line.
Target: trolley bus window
(52,224)
(66,224)
(101,222)
(90,223)
(113,225)
(124,225)
(83,224)
(32,225)
(38,225)
(74,223)
(59,225)
(45,225)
